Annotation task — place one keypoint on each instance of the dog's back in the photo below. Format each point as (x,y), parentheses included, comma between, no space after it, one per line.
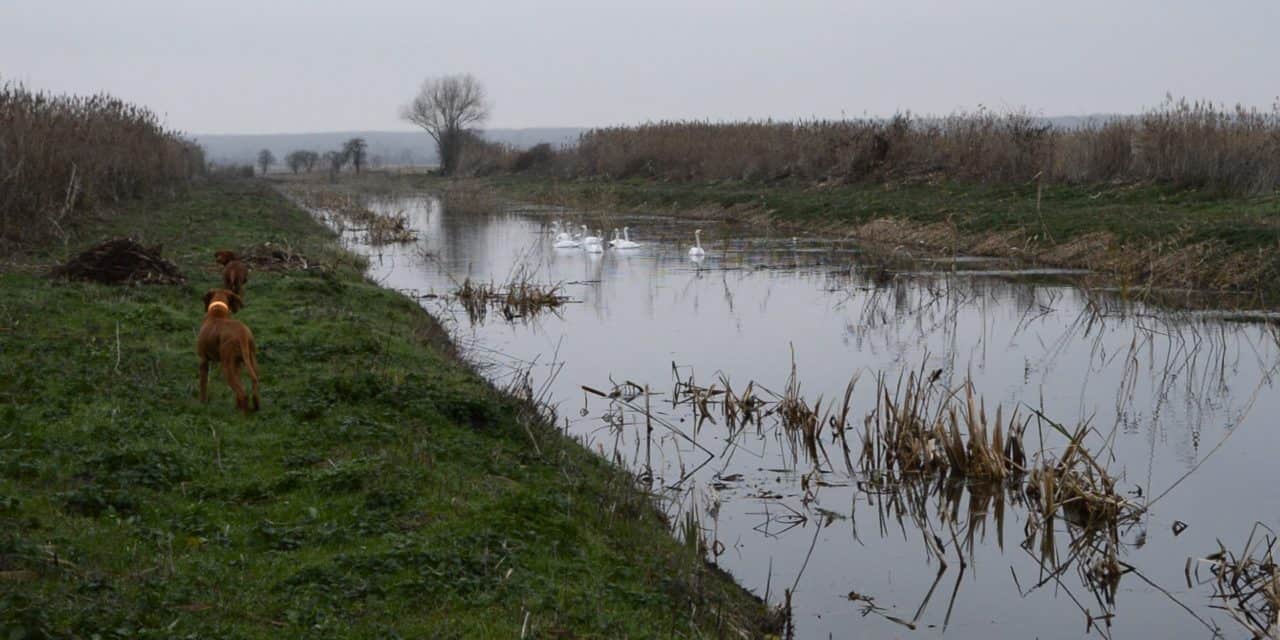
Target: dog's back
(235,273)
(228,342)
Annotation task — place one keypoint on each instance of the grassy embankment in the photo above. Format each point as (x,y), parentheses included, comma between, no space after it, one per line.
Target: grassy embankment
(1138,235)
(383,490)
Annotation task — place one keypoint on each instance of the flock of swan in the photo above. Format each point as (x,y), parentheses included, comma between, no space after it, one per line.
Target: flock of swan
(621,240)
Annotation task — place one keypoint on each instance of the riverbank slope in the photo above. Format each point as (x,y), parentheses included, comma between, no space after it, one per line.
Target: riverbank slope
(385,489)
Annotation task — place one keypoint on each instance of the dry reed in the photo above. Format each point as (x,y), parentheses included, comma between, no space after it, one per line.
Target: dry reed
(1186,144)
(519,298)
(62,155)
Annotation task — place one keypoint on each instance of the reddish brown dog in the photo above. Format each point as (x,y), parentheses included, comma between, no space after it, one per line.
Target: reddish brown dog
(227,341)
(234,272)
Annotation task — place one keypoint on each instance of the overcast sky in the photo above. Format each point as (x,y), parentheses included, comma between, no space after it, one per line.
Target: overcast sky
(262,66)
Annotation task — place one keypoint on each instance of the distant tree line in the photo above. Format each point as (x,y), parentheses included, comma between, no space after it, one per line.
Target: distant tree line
(354,152)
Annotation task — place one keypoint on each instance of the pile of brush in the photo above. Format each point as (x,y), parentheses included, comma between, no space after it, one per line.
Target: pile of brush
(274,257)
(121,261)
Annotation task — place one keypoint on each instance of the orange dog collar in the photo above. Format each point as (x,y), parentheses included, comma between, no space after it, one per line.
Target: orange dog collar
(219,303)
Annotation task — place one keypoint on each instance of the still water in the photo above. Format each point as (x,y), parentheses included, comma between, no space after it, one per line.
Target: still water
(855,551)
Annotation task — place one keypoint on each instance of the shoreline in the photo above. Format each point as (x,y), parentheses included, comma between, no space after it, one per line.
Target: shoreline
(1230,262)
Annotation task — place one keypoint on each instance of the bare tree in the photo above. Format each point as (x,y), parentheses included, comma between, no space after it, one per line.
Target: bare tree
(354,149)
(447,107)
(265,160)
(309,160)
(296,160)
(336,160)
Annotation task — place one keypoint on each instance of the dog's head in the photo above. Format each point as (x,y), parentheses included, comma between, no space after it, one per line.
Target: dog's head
(224,256)
(224,298)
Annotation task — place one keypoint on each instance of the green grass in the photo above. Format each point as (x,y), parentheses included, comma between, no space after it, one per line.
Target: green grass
(384,490)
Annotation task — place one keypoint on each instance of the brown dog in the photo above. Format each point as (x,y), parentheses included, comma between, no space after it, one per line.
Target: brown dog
(234,272)
(228,341)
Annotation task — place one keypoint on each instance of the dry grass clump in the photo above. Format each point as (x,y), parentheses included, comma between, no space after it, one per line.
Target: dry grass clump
(519,298)
(390,229)
(1077,486)
(922,427)
(1247,585)
(62,155)
(1187,144)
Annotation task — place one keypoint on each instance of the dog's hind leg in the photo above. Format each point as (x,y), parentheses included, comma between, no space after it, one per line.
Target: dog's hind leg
(231,372)
(251,367)
(204,380)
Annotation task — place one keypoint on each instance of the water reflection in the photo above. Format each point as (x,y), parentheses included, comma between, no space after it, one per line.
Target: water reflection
(863,553)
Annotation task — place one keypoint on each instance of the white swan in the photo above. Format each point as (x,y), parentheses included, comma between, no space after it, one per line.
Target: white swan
(589,239)
(617,236)
(567,243)
(696,250)
(561,231)
(625,241)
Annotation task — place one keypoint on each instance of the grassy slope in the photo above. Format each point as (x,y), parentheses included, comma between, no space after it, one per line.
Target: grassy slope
(1135,216)
(383,486)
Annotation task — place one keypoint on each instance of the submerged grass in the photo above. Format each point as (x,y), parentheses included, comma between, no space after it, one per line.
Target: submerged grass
(385,489)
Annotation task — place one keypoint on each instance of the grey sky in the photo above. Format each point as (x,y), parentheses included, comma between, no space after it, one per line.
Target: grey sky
(230,66)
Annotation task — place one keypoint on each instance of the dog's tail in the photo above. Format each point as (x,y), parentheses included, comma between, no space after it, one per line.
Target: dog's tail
(250,351)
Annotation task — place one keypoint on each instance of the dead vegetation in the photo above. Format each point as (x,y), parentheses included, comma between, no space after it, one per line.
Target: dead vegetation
(1198,145)
(922,427)
(357,212)
(62,155)
(121,261)
(519,298)
(1246,584)
(270,256)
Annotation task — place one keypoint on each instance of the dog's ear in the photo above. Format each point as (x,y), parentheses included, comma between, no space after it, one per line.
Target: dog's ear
(235,302)
(208,296)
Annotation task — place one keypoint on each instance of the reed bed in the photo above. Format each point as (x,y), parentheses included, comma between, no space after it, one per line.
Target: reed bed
(63,155)
(469,198)
(920,427)
(1202,145)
